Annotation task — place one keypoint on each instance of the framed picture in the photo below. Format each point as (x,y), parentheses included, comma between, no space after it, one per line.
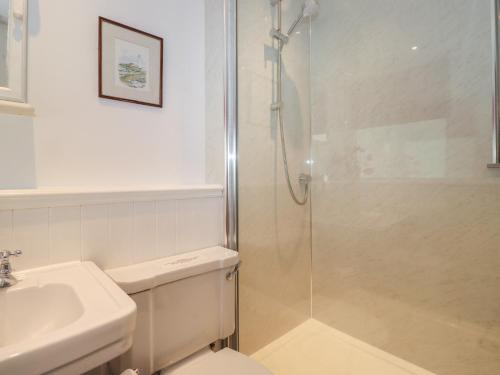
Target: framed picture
(130,64)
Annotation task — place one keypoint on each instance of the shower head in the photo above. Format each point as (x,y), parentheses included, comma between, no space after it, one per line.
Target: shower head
(309,10)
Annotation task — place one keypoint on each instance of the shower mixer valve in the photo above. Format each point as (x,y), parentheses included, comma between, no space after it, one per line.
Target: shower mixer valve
(304,179)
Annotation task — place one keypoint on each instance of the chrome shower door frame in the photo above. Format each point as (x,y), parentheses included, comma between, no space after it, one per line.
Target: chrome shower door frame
(495,11)
(231,142)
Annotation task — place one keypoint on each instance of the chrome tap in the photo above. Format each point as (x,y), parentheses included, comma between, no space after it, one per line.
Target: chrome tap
(6,277)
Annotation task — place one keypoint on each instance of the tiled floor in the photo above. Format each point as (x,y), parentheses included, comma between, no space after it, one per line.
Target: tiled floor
(314,348)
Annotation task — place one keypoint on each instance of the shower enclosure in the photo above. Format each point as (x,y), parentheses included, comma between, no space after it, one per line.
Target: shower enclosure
(395,241)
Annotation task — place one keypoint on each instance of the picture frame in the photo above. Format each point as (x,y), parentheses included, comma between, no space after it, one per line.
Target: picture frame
(130,64)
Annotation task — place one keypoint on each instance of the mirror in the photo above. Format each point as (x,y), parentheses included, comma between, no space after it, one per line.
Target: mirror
(13,41)
(4,32)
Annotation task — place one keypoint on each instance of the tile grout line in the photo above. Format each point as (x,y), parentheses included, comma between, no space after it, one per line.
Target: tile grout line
(49,234)
(81,233)
(157,230)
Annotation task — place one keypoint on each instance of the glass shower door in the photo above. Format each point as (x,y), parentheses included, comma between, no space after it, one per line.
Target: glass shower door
(274,232)
(405,217)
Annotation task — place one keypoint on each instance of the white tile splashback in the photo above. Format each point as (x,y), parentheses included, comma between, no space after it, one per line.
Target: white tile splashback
(65,233)
(31,233)
(112,234)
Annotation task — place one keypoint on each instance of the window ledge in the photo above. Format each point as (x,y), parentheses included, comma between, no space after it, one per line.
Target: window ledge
(14,108)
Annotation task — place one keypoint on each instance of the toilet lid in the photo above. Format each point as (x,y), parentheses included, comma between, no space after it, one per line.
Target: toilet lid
(224,362)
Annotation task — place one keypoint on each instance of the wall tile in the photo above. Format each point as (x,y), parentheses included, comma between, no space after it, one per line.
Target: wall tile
(65,234)
(144,232)
(166,216)
(95,235)
(405,213)
(199,223)
(111,235)
(6,232)
(121,233)
(31,235)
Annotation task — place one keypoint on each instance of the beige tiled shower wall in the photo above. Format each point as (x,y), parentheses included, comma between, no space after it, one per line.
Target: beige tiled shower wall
(406,216)
(274,233)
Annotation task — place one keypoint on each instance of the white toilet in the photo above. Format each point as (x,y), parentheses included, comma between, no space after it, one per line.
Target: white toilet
(184,303)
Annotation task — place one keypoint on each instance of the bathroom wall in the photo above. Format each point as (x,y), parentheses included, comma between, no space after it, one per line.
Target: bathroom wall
(406,224)
(274,233)
(77,139)
(4,29)
(214,92)
(111,228)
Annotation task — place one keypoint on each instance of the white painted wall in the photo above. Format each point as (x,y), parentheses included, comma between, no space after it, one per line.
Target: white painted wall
(77,139)
(4,30)
(214,91)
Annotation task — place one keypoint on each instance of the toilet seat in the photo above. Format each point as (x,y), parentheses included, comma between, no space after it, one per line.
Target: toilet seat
(224,362)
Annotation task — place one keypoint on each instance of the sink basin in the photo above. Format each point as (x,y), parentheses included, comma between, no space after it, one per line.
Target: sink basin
(40,309)
(64,319)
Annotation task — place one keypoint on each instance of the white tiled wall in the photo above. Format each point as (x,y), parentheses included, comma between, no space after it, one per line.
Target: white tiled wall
(111,234)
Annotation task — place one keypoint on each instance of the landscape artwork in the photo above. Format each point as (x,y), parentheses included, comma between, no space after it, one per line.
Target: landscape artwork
(132,65)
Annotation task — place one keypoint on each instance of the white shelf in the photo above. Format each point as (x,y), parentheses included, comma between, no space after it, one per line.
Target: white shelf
(15,108)
(60,197)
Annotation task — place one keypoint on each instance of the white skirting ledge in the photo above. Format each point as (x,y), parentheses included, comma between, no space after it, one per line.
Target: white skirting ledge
(60,197)
(14,108)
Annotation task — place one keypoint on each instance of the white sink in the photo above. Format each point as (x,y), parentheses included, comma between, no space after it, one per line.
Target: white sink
(63,319)
(38,310)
